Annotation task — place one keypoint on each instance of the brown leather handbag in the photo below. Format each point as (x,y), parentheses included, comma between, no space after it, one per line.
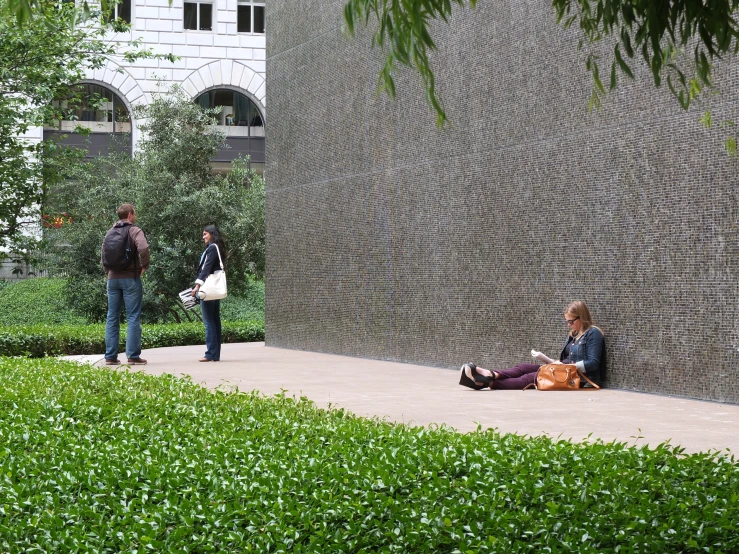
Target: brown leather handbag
(560,377)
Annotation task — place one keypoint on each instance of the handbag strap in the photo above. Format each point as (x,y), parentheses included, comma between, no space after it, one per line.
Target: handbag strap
(586,378)
(567,377)
(219,255)
(533,385)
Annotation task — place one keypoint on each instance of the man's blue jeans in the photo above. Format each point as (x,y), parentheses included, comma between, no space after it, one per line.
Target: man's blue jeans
(211,310)
(122,292)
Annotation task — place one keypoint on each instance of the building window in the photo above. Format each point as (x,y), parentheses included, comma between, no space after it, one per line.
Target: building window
(250,17)
(122,10)
(198,16)
(93,107)
(239,116)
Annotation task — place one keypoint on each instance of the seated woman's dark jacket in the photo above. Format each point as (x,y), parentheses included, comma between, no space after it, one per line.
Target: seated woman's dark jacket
(588,353)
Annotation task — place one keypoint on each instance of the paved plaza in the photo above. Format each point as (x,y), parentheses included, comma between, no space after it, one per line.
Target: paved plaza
(421,395)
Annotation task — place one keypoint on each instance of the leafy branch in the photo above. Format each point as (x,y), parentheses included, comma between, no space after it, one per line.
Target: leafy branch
(403,30)
(659,32)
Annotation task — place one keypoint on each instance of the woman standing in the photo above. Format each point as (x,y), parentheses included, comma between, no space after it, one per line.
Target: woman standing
(585,347)
(210,262)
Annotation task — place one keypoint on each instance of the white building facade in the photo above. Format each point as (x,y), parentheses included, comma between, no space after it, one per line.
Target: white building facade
(221,49)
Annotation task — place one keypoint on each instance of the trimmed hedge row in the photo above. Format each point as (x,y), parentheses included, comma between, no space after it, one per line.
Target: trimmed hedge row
(37,341)
(94,460)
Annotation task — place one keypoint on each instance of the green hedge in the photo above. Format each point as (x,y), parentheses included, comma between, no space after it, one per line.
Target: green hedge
(94,460)
(37,341)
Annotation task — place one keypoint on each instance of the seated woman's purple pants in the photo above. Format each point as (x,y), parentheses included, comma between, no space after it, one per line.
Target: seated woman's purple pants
(516,377)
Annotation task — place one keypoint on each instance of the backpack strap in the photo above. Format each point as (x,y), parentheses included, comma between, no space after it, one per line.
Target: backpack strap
(134,250)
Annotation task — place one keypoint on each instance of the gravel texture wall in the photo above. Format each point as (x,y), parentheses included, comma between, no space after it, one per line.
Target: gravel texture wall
(389,238)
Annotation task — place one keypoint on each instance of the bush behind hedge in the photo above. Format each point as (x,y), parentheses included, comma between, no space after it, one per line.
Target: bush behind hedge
(45,300)
(37,341)
(96,460)
(249,306)
(41,300)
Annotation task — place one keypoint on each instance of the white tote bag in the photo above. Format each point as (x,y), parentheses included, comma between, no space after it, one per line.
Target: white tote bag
(214,287)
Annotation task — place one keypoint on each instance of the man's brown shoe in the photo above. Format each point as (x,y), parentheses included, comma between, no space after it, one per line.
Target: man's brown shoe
(136,361)
(112,362)
(205,360)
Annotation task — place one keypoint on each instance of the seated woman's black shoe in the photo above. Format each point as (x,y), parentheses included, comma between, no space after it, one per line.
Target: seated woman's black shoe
(469,377)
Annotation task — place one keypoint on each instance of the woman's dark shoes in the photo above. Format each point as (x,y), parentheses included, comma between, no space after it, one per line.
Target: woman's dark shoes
(469,377)
(475,375)
(480,378)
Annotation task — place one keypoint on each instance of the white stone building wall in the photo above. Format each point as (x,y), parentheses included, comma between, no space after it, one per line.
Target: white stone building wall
(208,59)
(221,58)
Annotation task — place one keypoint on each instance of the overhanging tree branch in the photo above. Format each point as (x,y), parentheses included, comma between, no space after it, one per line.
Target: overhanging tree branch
(657,31)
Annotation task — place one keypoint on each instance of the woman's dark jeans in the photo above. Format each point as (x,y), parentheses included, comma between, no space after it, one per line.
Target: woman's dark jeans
(211,310)
(516,377)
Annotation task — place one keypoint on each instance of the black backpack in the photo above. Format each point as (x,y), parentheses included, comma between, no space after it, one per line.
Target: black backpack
(119,251)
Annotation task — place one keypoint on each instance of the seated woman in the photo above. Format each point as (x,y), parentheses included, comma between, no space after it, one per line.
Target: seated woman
(584,348)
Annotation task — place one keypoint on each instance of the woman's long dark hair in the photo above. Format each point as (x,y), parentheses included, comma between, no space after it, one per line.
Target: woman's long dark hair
(217,239)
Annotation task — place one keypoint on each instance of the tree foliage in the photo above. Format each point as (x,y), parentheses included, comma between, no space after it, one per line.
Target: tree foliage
(403,30)
(25,11)
(658,33)
(655,31)
(40,62)
(169,181)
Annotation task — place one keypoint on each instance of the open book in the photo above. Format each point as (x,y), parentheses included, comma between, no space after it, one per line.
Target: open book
(542,357)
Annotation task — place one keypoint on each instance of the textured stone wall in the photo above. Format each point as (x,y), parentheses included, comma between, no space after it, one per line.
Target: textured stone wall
(388,238)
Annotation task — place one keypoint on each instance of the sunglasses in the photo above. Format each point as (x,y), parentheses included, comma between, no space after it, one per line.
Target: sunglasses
(571,321)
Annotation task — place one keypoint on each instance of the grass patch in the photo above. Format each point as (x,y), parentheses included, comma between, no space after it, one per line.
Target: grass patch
(94,460)
(36,301)
(37,341)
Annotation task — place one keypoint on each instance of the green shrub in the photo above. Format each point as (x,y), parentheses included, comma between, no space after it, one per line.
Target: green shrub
(176,194)
(37,341)
(97,460)
(248,306)
(46,300)
(39,300)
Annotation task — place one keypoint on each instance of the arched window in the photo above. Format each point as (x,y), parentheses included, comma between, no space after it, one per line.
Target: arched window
(239,116)
(94,107)
(241,121)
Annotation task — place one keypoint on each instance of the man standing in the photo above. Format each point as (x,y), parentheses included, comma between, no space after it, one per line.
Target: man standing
(125,257)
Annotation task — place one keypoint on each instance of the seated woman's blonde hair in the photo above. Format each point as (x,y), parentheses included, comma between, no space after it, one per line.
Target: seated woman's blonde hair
(579,309)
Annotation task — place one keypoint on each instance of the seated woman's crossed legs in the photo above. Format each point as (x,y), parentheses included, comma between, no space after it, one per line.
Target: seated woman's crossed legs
(515,378)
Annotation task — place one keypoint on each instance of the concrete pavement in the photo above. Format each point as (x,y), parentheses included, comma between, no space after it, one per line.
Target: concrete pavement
(421,395)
